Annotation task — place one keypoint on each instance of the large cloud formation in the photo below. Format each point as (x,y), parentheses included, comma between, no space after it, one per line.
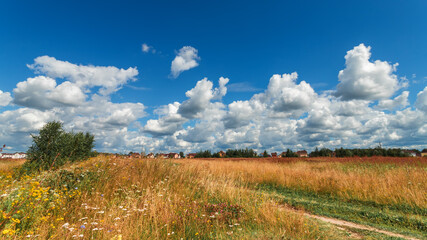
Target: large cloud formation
(368,107)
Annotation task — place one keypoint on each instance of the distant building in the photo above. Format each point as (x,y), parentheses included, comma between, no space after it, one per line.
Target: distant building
(221,154)
(150,155)
(410,153)
(302,153)
(20,155)
(191,155)
(162,155)
(274,155)
(6,155)
(424,153)
(174,155)
(135,155)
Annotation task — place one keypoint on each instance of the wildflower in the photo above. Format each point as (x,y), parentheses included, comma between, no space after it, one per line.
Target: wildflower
(82,226)
(15,220)
(65,225)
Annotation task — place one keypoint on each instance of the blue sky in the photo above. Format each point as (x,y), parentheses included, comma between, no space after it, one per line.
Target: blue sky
(245,41)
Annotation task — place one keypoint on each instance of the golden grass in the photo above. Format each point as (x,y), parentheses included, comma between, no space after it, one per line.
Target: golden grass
(384,183)
(6,165)
(146,199)
(191,199)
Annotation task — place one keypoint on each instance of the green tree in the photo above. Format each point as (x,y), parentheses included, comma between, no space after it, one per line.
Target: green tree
(181,154)
(53,147)
(265,154)
(290,153)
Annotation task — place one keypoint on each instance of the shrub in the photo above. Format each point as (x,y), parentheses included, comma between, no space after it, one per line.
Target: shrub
(53,147)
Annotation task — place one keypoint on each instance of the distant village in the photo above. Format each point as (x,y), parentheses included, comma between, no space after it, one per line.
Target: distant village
(245,154)
(253,154)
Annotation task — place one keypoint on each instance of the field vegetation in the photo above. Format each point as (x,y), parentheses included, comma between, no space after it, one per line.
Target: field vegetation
(118,198)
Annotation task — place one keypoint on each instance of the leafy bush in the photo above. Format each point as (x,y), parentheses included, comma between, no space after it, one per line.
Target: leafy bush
(54,147)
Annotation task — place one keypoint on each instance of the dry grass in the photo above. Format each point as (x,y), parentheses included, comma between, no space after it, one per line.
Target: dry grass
(6,165)
(387,181)
(145,199)
(105,198)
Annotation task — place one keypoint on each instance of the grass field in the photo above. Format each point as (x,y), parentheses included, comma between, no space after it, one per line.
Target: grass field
(105,198)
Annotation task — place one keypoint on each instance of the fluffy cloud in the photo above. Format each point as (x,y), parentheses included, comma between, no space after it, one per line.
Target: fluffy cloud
(185,59)
(284,95)
(421,102)
(240,113)
(362,79)
(398,102)
(169,122)
(42,93)
(200,97)
(5,98)
(110,79)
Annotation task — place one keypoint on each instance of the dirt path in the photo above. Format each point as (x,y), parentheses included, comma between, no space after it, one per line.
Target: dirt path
(357,226)
(343,223)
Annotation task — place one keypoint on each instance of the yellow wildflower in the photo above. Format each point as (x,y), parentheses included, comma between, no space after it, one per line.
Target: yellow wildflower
(15,220)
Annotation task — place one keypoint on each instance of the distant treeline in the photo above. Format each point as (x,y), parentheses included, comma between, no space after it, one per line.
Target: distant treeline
(323,152)
(378,151)
(231,153)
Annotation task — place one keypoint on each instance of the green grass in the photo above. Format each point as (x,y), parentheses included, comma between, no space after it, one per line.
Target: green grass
(402,219)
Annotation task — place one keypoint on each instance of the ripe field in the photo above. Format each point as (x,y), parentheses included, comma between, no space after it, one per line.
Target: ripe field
(105,198)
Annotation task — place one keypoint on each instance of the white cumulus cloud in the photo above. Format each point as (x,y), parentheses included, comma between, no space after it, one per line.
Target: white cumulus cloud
(366,80)
(185,59)
(5,98)
(421,102)
(398,102)
(42,93)
(110,78)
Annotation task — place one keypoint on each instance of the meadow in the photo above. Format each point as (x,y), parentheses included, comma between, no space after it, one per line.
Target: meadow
(122,198)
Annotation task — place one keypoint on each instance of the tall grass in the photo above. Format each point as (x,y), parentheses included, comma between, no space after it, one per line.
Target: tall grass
(384,182)
(7,165)
(143,199)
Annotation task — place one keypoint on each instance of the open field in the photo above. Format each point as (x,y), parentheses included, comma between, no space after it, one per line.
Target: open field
(105,198)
